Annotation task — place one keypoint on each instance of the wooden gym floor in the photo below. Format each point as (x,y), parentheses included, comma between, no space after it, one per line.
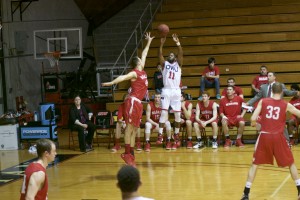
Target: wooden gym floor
(177,174)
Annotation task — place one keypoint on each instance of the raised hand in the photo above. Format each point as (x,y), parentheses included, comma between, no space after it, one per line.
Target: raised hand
(175,38)
(163,40)
(148,36)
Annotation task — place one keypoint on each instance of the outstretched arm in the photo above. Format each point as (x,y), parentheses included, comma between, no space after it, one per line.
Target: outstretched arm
(160,54)
(121,78)
(146,49)
(180,52)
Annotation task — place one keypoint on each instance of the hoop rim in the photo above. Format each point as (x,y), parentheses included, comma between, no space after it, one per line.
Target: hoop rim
(54,54)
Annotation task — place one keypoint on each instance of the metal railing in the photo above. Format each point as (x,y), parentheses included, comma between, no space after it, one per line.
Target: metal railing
(136,39)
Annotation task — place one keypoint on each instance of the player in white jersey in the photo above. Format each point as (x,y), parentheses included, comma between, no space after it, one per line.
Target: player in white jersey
(171,93)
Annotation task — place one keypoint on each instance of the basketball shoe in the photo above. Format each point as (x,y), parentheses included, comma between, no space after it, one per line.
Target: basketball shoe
(189,145)
(239,143)
(174,146)
(128,158)
(198,145)
(138,146)
(159,139)
(176,140)
(169,145)
(245,197)
(147,147)
(227,143)
(214,145)
(116,148)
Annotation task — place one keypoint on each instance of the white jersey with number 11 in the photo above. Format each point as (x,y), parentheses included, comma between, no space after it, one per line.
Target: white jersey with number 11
(171,75)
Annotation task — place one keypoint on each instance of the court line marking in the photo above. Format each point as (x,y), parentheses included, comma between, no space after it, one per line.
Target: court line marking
(281,185)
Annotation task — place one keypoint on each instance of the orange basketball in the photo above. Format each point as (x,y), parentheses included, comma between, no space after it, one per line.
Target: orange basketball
(163,30)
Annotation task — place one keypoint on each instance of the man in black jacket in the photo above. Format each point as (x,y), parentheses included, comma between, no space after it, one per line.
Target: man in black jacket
(158,79)
(79,120)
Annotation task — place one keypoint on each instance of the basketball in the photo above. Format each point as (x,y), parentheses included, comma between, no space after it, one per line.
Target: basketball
(163,30)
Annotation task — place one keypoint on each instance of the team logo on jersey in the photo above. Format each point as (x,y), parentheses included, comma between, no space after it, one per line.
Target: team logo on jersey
(144,77)
(172,68)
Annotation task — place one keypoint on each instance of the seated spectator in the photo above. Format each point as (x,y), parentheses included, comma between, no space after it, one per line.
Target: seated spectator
(259,80)
(129,182)
(210,78)
(187,118)
(230,112)
(294,120)
(237,90)
(80,120)
(153,113)
(158,79)
(206,113)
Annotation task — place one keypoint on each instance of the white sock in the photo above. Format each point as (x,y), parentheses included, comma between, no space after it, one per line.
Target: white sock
(297,182)
(248,184)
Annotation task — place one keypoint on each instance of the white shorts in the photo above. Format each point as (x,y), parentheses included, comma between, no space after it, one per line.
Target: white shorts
(171,97)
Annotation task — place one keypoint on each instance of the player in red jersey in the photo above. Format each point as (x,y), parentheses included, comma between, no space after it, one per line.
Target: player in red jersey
(171,91)
(260,79)
(120,127)
(187,119)
(133,107)
(230,112)
(294,120)
(153,113)
(206,113)
(237,90)
(271,141)
(35,184)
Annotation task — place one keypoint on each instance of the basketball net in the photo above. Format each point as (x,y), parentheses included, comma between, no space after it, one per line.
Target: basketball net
(53,59)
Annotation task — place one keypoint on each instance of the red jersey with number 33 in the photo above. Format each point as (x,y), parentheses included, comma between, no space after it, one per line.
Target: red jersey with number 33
(139,87)
(273,115)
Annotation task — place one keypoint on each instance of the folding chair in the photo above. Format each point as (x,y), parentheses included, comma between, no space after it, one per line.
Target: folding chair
(114,126)
(104,125)
(73,139)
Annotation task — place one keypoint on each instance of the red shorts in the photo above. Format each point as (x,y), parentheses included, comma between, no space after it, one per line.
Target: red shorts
(234,121)
(183,120)
(269,145)
(133,111)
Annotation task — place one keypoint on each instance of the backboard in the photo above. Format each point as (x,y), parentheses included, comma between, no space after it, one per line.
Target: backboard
(68,41)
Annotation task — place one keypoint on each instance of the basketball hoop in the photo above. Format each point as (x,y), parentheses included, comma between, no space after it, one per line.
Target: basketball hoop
(53,58)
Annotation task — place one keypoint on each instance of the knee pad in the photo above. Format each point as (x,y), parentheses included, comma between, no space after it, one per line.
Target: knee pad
(177,124)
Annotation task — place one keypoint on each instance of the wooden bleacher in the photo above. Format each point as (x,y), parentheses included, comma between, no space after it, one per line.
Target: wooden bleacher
(242,35)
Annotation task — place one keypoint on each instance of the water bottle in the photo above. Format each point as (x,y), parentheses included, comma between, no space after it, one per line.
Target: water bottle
(85,132)
(35,116)
(208,142)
